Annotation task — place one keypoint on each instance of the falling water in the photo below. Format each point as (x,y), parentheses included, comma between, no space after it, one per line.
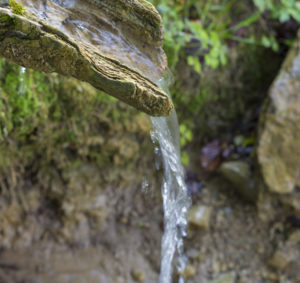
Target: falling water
(66,16)
(176,201)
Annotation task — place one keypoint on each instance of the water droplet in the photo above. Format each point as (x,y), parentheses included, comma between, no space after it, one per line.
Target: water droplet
(145,186)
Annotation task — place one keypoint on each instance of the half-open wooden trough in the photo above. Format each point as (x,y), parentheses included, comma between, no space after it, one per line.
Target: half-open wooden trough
(114,45)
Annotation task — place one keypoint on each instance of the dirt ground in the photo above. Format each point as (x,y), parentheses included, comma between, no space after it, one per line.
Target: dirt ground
(235,247)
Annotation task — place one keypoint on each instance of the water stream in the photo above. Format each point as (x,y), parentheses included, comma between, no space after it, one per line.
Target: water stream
(80,21)
(176,201)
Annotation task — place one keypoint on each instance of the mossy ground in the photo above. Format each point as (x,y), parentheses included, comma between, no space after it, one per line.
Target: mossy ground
(54,123)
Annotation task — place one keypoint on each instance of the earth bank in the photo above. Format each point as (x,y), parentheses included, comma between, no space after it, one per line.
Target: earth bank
(80,198)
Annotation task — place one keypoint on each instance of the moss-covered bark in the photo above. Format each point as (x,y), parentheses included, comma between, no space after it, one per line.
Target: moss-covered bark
(33,43)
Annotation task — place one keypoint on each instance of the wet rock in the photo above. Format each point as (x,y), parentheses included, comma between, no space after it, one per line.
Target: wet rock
(138,275)
(46,37)
(278,147)
(238,173)
(225,278)
(199,216)
(190,271)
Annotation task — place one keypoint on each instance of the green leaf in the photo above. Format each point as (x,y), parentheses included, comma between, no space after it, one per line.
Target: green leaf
(194,62)
(265,41)
(295,13)
(253,18)
(185,159)
(284,16)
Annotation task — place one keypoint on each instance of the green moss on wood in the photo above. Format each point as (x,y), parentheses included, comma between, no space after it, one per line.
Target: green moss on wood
(16,7)
(32,44)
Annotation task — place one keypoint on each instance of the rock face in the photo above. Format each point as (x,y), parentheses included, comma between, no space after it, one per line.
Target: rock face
(278,149)
(115,46)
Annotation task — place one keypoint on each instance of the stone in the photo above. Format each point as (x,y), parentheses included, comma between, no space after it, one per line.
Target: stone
(228,277)
(199,216)
(286,257)
(238,173)
(278,149)
(280,260)
(190,271)
(138,275)
(117,47)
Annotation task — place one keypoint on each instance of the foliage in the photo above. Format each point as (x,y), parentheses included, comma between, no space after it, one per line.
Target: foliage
(181,31)
(204,30)
(203,33)
(282,10)
(186,136)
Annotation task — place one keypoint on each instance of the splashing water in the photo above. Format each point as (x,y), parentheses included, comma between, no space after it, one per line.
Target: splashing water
(22,86)
(176,201)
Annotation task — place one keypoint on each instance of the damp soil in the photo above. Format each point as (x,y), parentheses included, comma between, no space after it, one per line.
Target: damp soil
(126,246)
